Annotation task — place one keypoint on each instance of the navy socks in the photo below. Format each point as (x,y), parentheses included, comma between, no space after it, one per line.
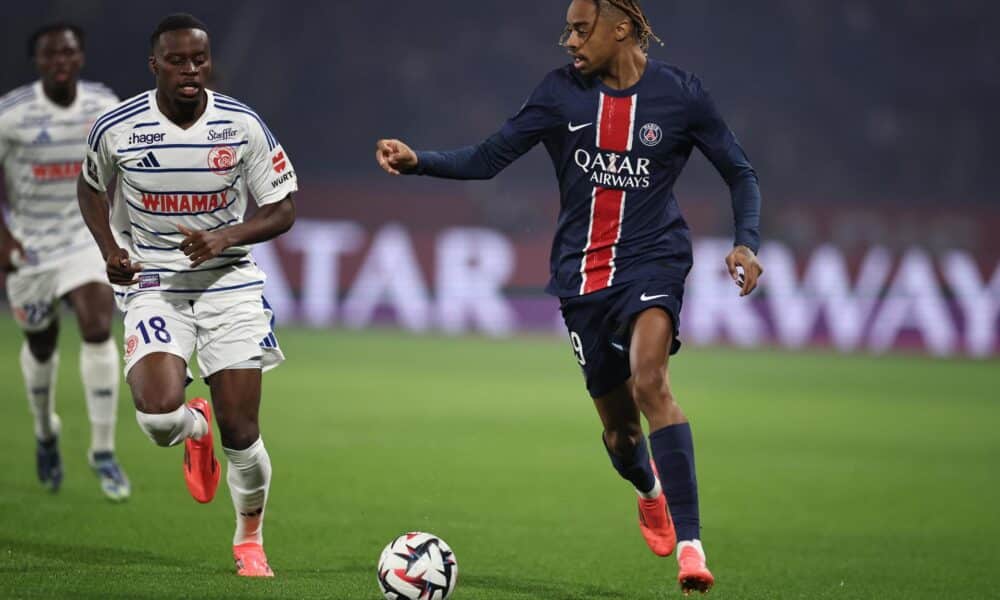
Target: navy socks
(673,452)
(635,466)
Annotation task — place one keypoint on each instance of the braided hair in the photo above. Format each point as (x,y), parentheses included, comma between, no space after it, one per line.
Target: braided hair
(632,10)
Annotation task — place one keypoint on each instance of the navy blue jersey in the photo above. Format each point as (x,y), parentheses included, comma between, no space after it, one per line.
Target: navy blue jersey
(617,154)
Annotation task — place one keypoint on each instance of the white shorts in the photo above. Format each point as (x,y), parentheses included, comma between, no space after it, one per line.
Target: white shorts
(34,293)
(224,329)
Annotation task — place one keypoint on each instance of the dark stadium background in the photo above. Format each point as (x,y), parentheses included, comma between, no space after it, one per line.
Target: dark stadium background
(871,124)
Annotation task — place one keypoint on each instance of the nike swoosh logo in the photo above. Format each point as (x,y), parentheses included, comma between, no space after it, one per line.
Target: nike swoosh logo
(645,298)
(575,128)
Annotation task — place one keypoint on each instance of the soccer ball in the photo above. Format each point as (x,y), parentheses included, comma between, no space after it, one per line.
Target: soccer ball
(417,566)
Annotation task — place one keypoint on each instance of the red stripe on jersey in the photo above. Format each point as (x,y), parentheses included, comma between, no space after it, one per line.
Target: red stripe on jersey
(616,123)
(606,210)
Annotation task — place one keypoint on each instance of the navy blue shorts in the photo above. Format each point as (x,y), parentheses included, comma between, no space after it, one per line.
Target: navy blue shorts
(600,326)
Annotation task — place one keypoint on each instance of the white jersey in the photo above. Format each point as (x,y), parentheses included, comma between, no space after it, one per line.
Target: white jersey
(197,178)
(42,146)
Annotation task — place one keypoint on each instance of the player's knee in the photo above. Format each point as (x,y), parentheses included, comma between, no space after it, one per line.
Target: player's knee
(96,330)
(42,349)
(239,437)
(166,429)
(158,399)
(650,385)
(237,431)
(624,440)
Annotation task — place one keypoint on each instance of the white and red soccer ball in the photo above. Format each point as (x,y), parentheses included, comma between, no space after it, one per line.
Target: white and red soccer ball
(417,566)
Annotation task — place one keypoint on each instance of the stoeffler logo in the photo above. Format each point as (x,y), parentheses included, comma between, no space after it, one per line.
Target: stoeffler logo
(146,138)
(220,136)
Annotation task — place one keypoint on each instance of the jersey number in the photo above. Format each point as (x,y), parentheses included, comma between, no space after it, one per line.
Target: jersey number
(574,339)
(159,327)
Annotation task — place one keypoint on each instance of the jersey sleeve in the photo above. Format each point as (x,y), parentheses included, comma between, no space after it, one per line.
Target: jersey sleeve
(268,171)
(717,142)
(519,134)
(99,164)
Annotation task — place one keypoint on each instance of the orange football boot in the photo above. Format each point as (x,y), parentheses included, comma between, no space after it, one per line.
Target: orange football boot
(656,526)
(201,469)
(251,561)
(694,576)
(655,523)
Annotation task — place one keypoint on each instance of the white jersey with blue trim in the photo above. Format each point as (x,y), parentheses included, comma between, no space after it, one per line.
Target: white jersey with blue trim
(42,145)
(198,178)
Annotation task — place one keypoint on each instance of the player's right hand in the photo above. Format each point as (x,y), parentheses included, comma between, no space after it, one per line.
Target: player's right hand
(11,251)
(395,157)
(121,269)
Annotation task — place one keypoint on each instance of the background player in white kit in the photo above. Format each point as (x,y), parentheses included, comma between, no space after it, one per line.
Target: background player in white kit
(178,251)
(48,253)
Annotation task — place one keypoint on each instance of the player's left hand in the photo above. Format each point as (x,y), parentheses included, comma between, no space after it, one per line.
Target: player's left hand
(744,268)
(201,246)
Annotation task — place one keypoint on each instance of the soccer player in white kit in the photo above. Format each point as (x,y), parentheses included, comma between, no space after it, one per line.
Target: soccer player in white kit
(177,249)
(48,253)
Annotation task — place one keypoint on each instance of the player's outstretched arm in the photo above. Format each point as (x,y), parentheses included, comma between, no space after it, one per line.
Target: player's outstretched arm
(270,221)
(482,161)
(94,207)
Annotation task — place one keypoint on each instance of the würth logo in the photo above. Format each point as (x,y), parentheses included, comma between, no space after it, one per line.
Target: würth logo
(279,162)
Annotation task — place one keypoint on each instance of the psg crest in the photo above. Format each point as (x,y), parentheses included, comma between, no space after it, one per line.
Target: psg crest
(650,134)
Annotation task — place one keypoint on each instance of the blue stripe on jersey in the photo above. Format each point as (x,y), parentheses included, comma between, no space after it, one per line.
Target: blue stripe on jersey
(238,263)
(57,143)
(50,124)
(168,170)
(109,124)
(15,102)
(170,233)
(225,103)
(17,93)
(271,142)
(39,215)
(121,108)
(196,291)
(158,146)
(221,225)
(171,192)
(65,198)
(61,247)
(222,122)
(157,248)
(147,124)
(49,231)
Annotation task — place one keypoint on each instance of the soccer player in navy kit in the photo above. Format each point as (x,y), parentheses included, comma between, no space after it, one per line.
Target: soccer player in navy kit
(619,128)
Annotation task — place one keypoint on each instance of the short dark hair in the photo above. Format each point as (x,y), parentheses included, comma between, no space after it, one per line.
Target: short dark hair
(76,30)
(173,23)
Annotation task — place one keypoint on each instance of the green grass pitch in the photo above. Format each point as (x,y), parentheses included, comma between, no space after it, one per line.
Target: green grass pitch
(822,476)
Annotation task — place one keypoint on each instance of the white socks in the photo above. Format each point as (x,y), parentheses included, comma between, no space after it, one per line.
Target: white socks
(170,429)
(99,372)
(40,383)
(249,478)
(653,493)
(686,543)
